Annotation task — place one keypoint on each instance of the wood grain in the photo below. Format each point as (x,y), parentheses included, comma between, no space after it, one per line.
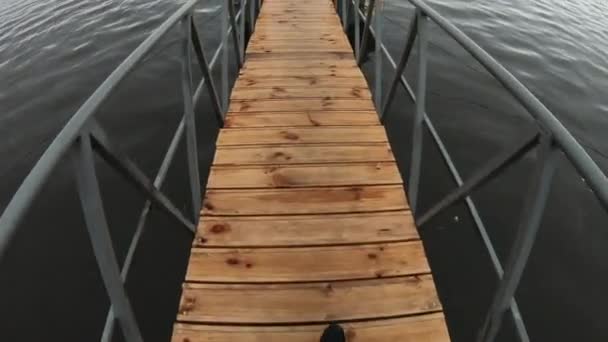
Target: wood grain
(296,119)
(300,92)
(318,104)
(351,199)
(305,230)
(302,154)
(299,82)
(308,302)
(253,64)
(426,328)
(311,175)
(303,135)
(299,264)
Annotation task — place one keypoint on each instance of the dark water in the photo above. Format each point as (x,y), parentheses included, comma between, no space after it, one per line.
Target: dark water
(54,53)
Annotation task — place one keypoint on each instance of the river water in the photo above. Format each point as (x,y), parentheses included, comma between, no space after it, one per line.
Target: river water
(54,53)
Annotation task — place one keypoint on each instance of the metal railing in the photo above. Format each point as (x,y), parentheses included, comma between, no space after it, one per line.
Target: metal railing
(82,138)
(549,137)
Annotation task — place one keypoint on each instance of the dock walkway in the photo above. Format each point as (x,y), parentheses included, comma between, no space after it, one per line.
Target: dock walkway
(305,219)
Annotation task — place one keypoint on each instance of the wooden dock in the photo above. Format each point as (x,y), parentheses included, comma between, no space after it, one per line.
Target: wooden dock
(305,219)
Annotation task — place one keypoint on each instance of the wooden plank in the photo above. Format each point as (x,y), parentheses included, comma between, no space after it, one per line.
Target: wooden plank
(299,264)
(355,199)
(316,55)
(299,93)
(290,176)
(278,105)
(292,48)
(303,43)
(286,35)
(308,302)
(306,135)
(299,81)
(273,64)
(295,119)
(269,23)
(287,38)
(302,154)
(305,230)
(426,328)
(301,72)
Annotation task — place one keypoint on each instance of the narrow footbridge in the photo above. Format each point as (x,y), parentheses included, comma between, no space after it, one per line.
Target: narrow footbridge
(305,219)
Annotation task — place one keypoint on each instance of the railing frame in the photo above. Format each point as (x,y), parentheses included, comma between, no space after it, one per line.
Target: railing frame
(82,138)
(550,137)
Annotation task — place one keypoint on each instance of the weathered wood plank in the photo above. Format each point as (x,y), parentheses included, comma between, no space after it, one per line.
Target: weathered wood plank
(308,302)
(299,264)
(299,93)
(316,55)
(305,230)
(299,81)
(288,176)
(292,48)
(278,105)
(273,64)
(286,38)
(302,154)
(300,72)
(426,328)
(329,44)
(295,119)
(305,135)
(355,199)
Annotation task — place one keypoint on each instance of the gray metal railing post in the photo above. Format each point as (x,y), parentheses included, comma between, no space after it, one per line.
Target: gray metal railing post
(97,226)
(357,28)
(533,210)
(409,44)
(225,38)
(366,31)
(416,157)
(191,146)
(242,11)
(251,16)
(343,9)
(202,61)
(378,55)
(139,230)
(235,32)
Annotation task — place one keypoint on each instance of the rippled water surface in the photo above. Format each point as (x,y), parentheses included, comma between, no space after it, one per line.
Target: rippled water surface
(54,53)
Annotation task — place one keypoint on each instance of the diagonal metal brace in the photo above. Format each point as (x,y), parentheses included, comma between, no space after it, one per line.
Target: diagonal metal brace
(525,236)
(202,61)
(119,161)
(490,170)
(235,34)
(101,241)
(366,31)
(409,45)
